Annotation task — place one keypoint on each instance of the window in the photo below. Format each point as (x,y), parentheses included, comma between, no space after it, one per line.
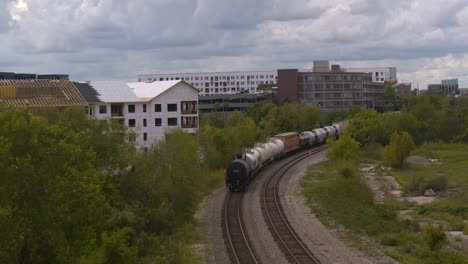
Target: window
(157,122)
(103,109)
(172,121)
(157,107)
(131,108)
(144,108)
(132,137)
(172,107)
(131,123)
(144,122)
(145,136)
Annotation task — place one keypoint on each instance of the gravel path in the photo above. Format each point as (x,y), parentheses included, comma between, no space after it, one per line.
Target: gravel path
(322,241)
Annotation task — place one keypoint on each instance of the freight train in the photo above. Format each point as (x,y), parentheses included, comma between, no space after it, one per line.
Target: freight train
(242,170)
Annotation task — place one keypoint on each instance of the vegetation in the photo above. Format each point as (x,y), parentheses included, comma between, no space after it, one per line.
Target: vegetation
(341,200)
(344,148)
(399,148)
(73,191)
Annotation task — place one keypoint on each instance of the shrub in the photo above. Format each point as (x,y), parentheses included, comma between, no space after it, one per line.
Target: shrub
(399,148)
(438,183)
(435,237)
(465,229)
(390,240)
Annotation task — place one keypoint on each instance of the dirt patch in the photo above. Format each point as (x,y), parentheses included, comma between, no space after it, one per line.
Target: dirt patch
(422,160)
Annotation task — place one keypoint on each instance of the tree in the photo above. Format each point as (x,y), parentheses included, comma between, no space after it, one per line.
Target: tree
(56,184)
(367,127)
(399,148)
(345,148)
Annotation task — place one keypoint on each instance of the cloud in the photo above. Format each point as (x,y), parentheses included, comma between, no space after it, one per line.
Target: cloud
(102,39)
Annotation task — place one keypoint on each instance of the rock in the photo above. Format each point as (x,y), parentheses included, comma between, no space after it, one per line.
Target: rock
(429,192)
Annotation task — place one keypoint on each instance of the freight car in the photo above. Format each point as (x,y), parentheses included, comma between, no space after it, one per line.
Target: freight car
(241,171)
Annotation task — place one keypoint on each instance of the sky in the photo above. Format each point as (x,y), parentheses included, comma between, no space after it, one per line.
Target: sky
(426,40)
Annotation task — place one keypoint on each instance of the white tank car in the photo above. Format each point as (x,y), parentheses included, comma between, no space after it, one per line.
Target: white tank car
(277,146)
(254,156)
(309,136)
(331,131)
(263,153)
(321,134)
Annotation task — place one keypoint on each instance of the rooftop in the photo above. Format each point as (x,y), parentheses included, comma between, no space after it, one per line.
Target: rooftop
(40,93)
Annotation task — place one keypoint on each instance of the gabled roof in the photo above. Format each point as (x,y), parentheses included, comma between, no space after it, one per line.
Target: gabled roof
(40,93)
(147,91)
(113,91)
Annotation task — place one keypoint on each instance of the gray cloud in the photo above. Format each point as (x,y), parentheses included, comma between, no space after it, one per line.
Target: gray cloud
(102,39)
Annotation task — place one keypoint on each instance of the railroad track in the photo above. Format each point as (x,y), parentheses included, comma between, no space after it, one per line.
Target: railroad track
(287,239)
(238,245)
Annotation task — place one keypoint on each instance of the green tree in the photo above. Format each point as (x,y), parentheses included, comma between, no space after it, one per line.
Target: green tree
(345,148)
(367,127)
(399,148)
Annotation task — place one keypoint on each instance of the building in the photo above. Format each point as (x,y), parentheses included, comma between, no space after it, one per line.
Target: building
(331,90)
(447,87)
(379,74)
(40,94)
(232,102)
(31,76)
(403,90)
(213,83)
(147,109)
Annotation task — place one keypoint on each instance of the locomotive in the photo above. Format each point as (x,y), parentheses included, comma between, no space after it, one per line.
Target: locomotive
(242,170)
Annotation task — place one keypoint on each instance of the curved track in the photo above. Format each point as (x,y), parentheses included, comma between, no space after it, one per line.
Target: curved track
(238,245)
(288,241)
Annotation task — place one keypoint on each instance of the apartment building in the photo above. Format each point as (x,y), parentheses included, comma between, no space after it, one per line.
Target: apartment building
(213,83)
(331,91)
(147,109)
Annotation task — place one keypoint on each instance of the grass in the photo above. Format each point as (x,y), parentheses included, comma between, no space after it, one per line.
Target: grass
(348,202)
(452,209)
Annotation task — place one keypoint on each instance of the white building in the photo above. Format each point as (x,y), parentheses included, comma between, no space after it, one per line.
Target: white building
(148,109)
(379,74)
(212,83)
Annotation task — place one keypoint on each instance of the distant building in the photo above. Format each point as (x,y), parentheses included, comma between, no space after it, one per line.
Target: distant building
(331,90)
(403,90)
(40,94)
(147,109)
(464,91)
(447,87)
(31,76)
(213,83)
(450,81)
(232,102)
(379,74)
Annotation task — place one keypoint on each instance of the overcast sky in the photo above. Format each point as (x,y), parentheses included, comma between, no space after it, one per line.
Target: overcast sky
(426,40)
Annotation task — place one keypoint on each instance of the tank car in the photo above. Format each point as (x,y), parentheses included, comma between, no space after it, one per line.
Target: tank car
(239,174)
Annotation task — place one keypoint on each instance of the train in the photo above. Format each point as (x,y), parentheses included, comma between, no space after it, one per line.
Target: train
(243,169)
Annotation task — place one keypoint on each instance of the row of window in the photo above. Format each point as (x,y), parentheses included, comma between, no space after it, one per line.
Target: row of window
(117,108)
(216,84)
(171,121)
(335,77)
(213,78)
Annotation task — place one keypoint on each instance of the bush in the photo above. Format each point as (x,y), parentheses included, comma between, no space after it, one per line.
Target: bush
(390,240)
(399,148)
(435,237)
(438,183)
